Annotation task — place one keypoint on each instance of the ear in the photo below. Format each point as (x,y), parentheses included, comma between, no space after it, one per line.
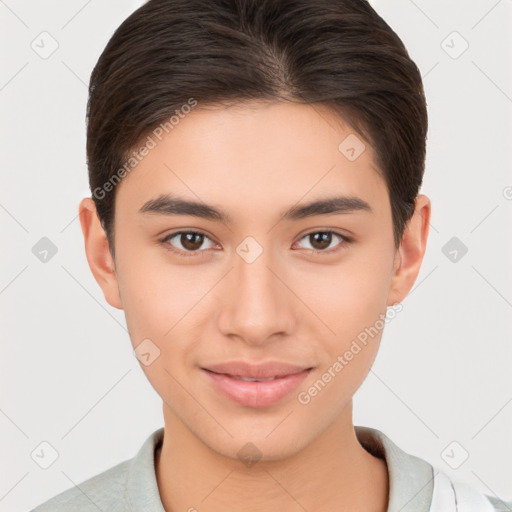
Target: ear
(409,255)
(97,251)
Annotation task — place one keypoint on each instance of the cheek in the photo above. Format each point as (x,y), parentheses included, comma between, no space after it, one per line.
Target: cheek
(160,303)
(348,297)
(354,308)
(165,304)
(157,297)
(351,300)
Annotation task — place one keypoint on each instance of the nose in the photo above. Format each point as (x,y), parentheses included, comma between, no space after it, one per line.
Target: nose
(256,305)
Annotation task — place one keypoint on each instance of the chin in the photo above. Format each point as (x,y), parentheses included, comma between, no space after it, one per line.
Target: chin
(269,439)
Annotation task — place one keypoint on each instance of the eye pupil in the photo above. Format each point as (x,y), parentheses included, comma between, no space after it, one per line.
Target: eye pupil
(188,243)
(324,239)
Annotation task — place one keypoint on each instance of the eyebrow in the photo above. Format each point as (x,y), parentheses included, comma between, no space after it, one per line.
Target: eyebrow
(166,204)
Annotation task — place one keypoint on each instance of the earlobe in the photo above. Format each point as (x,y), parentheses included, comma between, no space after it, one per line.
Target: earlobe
(407,263)
(98,253)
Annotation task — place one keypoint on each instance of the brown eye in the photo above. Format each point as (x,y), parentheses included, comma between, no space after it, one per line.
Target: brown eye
(320,241)
(189,242)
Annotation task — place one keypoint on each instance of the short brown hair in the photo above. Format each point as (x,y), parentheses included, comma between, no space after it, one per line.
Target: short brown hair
(339,53)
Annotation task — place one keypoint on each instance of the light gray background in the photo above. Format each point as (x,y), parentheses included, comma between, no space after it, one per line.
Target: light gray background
(68,374)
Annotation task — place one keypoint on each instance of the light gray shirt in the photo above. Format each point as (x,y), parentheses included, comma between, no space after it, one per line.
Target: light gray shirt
(132,486)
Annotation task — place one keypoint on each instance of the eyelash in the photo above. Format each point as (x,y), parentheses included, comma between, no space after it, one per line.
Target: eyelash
(202,253)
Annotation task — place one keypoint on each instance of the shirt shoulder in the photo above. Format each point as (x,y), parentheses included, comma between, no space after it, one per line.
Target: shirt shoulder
(455,495)
(500,505)
(129,486)
(417,486)
(105,491)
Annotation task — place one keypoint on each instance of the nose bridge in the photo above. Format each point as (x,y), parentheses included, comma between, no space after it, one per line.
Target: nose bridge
(258,304)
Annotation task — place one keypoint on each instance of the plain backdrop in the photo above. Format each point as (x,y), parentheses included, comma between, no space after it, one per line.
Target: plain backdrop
(441,385)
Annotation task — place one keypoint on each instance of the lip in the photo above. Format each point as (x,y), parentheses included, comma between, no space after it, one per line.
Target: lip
(256,393)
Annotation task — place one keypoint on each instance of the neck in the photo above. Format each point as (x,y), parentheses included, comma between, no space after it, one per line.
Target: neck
(333,472)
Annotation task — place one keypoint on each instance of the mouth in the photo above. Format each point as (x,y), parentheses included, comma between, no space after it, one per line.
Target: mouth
(250,379)
(255,386)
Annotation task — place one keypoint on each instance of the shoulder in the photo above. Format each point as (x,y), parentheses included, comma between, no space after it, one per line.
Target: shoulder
(418,486)
(105,491)
(451,494)
(500,505)
(130,485)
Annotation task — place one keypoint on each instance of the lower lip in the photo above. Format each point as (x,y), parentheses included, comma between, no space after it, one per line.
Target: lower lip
(256,394)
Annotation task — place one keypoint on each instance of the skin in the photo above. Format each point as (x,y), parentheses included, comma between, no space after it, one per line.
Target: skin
(290,304)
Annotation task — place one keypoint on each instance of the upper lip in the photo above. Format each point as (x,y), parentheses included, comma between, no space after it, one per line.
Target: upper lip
(256,371)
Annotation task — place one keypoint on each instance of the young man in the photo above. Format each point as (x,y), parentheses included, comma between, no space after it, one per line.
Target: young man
(255,168)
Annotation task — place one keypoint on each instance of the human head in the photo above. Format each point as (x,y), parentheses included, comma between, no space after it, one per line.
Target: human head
(340,53)
(263,133)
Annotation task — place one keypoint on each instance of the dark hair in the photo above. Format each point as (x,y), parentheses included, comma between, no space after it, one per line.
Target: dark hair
(339,53)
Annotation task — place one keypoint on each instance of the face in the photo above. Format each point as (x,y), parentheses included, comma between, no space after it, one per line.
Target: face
(255,275)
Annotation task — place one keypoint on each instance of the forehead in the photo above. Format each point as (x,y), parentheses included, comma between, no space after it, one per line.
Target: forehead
(256,155)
